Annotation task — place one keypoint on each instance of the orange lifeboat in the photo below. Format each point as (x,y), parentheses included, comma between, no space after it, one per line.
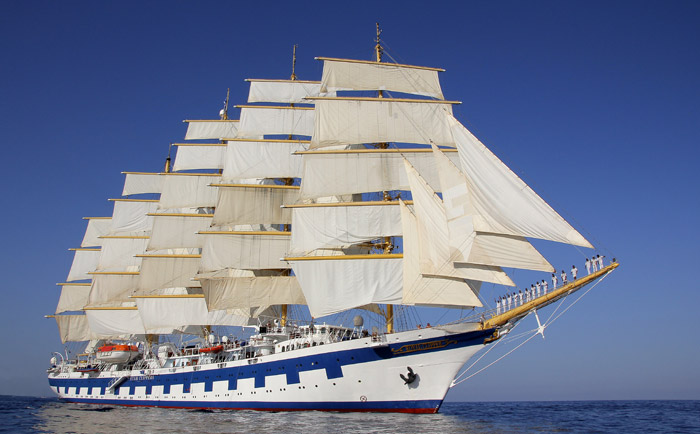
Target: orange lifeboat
(214,349)
(120,353)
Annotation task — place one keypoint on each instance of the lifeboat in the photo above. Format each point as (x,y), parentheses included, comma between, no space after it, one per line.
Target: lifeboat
(214,349)
(117,353)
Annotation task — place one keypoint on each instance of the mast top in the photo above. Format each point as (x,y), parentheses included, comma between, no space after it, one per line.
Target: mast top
(294,62)
(378,48)
(224,111)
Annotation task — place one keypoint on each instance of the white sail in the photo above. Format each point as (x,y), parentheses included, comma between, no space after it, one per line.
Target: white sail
(251,250)
(265,120)
(437,257)
(130,216)
(167,271)
(97,227)
(159,312)
(211,129)
(119,254)
(115,323)
(335,285)
(486,248)
(430,290)
(141,183)
(188,190)
(253,291)
(263,159)
(73,328)
(73,297)
(506,204)
(240,204)
(84,261)
(172,231)
(199,156)
(282,91)
(345,74)
(348,121)
(108,289)
(341,225)
(335,173)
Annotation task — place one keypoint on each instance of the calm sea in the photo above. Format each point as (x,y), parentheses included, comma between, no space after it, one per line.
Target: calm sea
(36,415)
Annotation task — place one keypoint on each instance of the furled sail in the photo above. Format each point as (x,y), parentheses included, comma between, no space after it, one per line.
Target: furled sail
(354,120)
(199,156)
(340,172)
(282,91)
(346,74)
(267,120)
(211,129)
(506,204)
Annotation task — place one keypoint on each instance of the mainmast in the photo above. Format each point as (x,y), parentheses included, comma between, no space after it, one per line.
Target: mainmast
(388,245)
(289,181)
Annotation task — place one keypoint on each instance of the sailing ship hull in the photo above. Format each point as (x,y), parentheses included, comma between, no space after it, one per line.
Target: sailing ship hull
(357,375)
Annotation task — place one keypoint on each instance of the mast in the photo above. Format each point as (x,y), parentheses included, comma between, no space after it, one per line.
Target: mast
(289,181)
(388,245)
(168,160)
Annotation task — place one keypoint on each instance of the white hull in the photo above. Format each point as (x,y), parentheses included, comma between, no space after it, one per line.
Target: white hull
(354,375)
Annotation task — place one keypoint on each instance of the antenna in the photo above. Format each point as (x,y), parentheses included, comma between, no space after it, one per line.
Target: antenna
(224,111)
(294,61)
(378,48)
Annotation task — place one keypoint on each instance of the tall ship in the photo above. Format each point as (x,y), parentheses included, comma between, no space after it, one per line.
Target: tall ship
(224,281)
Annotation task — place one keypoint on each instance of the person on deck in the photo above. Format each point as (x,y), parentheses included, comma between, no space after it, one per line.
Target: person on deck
(600,262)
(544,286)
(554,281)
(537,285)
(510,301)
(520,295)
(588,265)
(574,272)
(564,280)
(498,307)
(594,264)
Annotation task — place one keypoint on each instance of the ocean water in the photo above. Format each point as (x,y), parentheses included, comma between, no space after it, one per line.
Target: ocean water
(37,415)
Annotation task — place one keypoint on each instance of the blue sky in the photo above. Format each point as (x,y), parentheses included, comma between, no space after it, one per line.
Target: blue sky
(594,104)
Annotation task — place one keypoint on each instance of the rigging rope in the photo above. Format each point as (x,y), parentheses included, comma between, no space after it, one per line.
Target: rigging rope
(545,325)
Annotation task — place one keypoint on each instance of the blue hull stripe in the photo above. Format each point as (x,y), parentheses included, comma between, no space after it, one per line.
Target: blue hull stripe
(332,363)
